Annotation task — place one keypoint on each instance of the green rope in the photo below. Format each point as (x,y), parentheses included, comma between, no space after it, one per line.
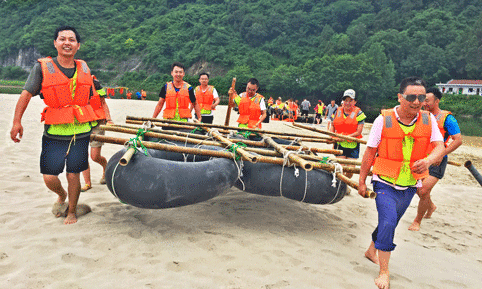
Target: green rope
(324,160)
(198,129)
(137,140)
(234,147)
(247,134)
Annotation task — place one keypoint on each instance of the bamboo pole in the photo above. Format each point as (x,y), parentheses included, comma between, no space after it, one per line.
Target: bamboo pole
(369,193)
(228,143)
(230,102)
(292,157)
(126,158)
(245,141)
(331,133)
(259,131)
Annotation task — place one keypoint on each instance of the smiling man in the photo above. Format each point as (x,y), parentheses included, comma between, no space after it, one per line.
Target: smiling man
(66,86)
(178,96)
(400,149)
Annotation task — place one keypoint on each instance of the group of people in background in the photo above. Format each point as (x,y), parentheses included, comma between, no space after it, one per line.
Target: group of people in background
(407,146)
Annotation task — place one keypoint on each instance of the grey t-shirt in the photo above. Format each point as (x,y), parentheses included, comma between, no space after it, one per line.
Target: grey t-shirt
(305,105)
(331,110)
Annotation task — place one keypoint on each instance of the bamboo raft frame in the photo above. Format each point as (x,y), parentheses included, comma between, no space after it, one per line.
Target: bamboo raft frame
(298,155)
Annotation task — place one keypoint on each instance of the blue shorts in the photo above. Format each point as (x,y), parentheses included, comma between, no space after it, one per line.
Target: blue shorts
(391,205)
(54,155)
(353,153)
(438,171)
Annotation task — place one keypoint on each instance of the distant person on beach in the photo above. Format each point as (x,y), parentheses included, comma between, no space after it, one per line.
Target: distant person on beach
(143,94)
(305,108)
(251,104)
(400,149)
(178,96)
(65,84)
(96,146)
(138,95)
(207,97)
(319,108)
(450,130)
(330,113)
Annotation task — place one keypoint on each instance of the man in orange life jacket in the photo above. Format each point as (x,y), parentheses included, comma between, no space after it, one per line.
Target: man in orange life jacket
(450,130)
(178,96)
(207,97)
(349,120)
(400,149)
(252,107)
(66,86)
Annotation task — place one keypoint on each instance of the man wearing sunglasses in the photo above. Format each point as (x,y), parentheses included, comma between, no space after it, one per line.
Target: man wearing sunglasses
(400,149)
(450,130)
(251,104)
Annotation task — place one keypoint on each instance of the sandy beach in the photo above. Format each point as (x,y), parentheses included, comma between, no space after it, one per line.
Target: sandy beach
(238,240)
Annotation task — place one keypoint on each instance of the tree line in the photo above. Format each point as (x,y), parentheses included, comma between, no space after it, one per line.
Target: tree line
(297,48)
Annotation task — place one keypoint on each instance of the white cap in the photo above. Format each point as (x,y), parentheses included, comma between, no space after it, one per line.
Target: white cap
(350,93)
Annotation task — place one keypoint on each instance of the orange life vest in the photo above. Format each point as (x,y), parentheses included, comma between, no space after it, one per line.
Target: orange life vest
(250,110)
(348,125)
(56,90)
(205,99)
(181,98)
(441,117)
(390,151)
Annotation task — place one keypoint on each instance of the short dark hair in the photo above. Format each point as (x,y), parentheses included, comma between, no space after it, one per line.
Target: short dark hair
(203,73)
(412,80)
(435,92)
(63,28)
(178,64)
(254,81)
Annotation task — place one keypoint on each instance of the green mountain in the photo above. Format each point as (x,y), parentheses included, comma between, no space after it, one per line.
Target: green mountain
(296,48)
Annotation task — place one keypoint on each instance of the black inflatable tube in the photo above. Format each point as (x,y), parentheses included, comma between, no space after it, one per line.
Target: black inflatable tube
(264,179)
(164,180)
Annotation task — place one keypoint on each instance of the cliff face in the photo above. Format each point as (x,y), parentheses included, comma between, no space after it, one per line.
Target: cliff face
(25,58)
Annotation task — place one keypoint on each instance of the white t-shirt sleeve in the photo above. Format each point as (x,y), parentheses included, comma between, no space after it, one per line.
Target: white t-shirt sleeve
(375,136)
(436,134)
(215,93)
(262,104)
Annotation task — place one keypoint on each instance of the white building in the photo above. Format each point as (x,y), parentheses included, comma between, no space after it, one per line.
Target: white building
(461,86)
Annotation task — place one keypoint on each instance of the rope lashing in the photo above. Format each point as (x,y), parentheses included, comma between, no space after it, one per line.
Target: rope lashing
(338,168)
(200,129)
(247,134)
(324,160)
(136,141)
(234,148)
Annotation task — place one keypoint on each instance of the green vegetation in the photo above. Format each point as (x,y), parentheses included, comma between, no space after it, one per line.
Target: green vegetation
(296,48)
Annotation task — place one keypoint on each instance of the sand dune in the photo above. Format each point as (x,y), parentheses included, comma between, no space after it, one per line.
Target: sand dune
(237,240)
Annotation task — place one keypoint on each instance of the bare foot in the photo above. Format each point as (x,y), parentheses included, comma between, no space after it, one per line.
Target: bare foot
(430,211)
(71,219)
(415,226)
(372,256)
(383,281)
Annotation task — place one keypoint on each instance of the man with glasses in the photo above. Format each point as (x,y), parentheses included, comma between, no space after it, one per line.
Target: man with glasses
(400,149)
(252,107)
(450,130)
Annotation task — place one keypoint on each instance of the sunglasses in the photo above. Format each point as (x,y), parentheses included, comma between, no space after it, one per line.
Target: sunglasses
(412,97)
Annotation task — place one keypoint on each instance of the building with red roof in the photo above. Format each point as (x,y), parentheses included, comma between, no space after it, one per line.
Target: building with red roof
(461,86)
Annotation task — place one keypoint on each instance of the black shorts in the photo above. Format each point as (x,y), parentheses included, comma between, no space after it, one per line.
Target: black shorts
(353,153)
(438,171)
(304,112)
(54,157)
(318,116)
(207,118)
